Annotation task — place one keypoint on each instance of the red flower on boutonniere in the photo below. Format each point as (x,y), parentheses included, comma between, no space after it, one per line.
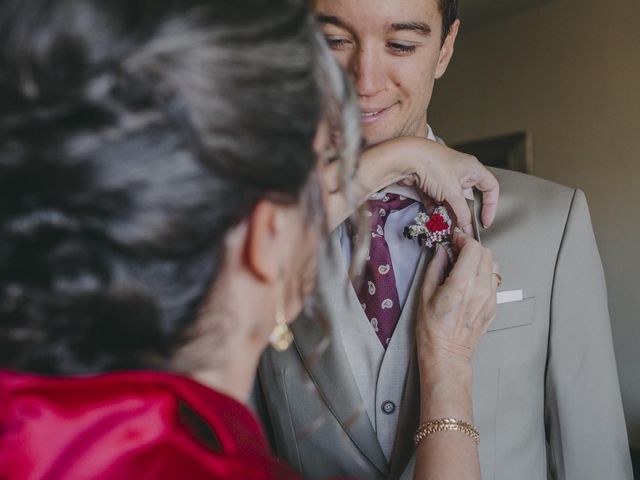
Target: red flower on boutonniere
(432,229)
(437,223)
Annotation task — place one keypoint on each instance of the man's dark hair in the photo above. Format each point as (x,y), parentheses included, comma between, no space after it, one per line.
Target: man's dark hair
(449,11)
(134,134)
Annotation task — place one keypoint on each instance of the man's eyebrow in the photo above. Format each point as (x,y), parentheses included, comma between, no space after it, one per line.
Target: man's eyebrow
(331,20)
(418,27)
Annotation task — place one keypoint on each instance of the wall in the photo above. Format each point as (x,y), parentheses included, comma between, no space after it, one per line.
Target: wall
(569,74)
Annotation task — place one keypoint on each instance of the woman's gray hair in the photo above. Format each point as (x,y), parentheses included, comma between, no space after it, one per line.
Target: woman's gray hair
(134,134)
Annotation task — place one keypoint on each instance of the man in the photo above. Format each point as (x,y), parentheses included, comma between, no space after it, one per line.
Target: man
(546,394)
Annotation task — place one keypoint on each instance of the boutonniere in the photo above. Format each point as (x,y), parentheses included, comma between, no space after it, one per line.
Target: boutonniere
(432,229)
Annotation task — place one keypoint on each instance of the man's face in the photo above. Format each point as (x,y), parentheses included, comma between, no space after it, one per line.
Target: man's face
(394,51)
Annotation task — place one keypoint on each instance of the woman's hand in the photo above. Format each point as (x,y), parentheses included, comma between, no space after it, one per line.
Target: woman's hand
(444,174)
(455,312)
(441,173)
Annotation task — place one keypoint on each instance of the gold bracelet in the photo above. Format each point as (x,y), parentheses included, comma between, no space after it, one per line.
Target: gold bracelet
(443,424)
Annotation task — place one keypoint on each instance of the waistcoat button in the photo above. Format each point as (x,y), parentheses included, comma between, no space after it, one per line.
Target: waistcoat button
(388,407)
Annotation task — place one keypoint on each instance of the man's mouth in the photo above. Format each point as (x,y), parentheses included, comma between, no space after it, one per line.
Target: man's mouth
(372,115)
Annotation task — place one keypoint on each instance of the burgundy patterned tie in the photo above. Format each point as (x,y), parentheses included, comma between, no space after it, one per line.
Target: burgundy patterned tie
(378,294)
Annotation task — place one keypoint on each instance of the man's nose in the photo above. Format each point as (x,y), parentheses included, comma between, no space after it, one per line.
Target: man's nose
(368,71)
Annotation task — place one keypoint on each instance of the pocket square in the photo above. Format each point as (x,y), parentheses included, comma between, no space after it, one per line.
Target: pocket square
(509,296)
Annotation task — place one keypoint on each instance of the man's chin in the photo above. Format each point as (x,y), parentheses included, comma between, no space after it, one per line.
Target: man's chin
(374,135)
(372,138)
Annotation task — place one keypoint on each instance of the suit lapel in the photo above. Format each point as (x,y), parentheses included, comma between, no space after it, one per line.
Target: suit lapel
(331,372)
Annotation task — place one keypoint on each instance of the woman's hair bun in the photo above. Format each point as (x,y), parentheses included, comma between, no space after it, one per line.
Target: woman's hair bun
(133,136)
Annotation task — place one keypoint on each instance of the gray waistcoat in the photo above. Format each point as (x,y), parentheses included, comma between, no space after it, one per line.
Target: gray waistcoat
(380,375)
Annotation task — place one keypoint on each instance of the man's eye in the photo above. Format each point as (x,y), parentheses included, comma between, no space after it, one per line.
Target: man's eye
(401,47)
(336,42)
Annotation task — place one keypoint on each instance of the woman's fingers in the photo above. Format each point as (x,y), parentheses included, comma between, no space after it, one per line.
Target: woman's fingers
(434,275)
(460,207)
(496,280)
(456,313)
(490,193)
(487,289)
(469,257)
(495,274)
(473,277)
(485,268)
(474,174)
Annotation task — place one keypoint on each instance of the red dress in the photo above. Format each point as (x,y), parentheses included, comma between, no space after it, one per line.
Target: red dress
(133,425)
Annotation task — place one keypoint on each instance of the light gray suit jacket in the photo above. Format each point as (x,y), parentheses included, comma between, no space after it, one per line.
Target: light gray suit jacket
(546,394)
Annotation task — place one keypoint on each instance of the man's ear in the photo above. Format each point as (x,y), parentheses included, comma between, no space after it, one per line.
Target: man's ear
(446,51)
(265,231)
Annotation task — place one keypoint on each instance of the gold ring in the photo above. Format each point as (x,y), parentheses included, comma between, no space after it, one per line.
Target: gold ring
(498,277)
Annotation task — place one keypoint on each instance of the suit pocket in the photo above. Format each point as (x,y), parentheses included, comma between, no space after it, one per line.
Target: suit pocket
(515,314)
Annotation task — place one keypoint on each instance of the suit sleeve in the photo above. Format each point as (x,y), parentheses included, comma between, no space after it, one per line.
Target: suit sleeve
(587,438)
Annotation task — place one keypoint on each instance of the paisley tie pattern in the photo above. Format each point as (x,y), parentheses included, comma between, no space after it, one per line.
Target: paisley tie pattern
(378,294)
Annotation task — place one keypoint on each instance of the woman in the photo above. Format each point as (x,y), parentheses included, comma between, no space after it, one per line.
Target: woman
(161,208)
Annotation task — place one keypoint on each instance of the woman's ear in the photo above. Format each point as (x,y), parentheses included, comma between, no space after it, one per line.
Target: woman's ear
(266,227)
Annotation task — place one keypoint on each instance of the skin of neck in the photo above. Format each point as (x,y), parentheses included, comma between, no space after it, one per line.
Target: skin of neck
(423,130)
(231,333)
(420,130)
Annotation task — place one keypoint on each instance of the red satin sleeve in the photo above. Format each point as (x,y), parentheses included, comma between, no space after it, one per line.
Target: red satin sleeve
(126,426)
